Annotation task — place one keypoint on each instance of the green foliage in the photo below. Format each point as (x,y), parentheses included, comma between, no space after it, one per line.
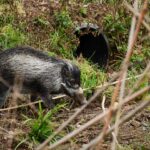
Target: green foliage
(4,1)
(89,1)
(63,19)
(109,92)
(54,39)
(125,147)
(10,37)
(91,76)
(53,54)
(117,28)
(42,127)
(6,19)
(83,11)
(65,53)
(140,58)
(60,43)
(41,22)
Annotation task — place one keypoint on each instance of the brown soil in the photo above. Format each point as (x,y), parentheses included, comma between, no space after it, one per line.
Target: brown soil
(134,133)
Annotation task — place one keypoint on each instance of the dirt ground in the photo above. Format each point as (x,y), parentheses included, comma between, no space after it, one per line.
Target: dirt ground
(134,134)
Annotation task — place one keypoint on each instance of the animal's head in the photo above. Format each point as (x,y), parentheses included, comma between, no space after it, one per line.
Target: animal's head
(71,82)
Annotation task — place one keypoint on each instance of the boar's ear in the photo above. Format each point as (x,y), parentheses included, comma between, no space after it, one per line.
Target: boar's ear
(66,72)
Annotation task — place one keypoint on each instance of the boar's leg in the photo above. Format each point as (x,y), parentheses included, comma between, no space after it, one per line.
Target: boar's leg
(4,92)
(47,99)
(33,97)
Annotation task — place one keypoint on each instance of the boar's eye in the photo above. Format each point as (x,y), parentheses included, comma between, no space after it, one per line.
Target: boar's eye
(72,84)
(72,81)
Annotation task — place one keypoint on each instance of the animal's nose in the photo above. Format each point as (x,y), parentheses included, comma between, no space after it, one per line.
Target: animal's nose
(80,96)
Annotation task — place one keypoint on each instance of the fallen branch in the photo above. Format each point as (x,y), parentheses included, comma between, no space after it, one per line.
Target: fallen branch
(40,147)
(94,142)
(143,75)
(97,118)
(32,103)
(124,67)
(62,96)
(122,87)
(104,109)
(137,14)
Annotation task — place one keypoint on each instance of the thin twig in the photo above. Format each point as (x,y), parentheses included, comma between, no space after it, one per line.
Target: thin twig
(16,88)
(140,107)
(137,14)
(98,118)
(97,93)
(143,75)
(104,109)
(32,103)
(124,67)
(40,147)
(4,82)
(4,130)
(122,88)
(130,51)
(115,82)
(62,96)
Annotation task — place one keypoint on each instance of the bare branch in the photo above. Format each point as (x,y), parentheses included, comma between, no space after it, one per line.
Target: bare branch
(144,104)
(72,117)
(122,88)
(97,118)
(143,75)
(125,66)
(104,109)
(137,14)
(62,96)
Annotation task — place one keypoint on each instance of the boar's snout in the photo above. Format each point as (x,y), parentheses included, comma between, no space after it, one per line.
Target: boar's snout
(79,96)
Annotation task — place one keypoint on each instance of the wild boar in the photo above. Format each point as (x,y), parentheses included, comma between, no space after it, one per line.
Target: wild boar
(41,75)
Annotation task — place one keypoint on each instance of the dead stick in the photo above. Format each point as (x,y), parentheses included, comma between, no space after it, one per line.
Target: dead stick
(62,96)
(40,147)
(130,50)
(97,118)
(144,104)
(122,87)
(137,14)
(32,103)
(144,74)
(125,66)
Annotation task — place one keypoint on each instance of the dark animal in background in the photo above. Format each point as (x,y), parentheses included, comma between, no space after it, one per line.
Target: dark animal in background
(41,75)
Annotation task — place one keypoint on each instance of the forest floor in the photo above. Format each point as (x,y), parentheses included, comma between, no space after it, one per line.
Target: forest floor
(134,134)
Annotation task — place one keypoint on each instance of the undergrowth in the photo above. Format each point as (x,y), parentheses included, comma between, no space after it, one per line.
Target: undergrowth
(42,126)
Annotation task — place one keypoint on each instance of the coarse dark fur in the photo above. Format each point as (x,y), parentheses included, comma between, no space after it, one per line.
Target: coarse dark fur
(41,75)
